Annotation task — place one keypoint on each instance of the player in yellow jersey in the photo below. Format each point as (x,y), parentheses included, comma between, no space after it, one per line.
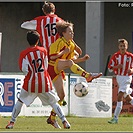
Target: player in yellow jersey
(62,56)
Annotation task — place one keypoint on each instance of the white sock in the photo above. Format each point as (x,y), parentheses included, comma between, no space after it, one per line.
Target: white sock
(58,110)
(16,110)
(118,109)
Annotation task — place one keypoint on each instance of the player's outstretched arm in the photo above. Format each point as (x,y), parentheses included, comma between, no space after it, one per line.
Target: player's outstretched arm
(29,25)
(77,48)
(81,59)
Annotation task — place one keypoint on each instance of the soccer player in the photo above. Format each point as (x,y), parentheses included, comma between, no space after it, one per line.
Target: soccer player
(46,26)
(61,57)
(33,62)
(121,63)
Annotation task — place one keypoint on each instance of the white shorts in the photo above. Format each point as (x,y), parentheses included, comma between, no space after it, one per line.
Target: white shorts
(47,98)
(124,84)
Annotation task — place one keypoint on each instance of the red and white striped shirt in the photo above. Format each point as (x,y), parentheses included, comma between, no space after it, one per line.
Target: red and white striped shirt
(34,63)
(125,59)
(46,27)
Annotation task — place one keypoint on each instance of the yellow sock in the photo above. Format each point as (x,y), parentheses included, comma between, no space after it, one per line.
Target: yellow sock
(60,103)
(78,70)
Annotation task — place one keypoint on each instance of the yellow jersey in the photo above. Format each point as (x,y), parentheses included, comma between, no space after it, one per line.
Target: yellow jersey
(59,45)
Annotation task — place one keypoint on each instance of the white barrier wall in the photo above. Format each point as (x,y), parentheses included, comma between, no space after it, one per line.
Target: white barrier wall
(97,103)
(89,106)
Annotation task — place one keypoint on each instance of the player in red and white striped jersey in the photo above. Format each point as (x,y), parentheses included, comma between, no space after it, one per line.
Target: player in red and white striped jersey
(45,25)
(125,62)
(33,63)
(121,63)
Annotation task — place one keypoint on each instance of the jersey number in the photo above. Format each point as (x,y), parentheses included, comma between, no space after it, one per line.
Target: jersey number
(38,68)
(51,29)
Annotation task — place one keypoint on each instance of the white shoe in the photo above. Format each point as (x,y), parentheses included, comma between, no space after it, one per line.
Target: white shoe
(54,123)
(10,125)
(66,124)
(93,76)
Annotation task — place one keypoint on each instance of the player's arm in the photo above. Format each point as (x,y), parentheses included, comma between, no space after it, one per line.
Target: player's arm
(25,66)
(113,64)
(29,25)
(111,68)
(58,55)
(77,48)
(77,53)
(81,59)
(130,70)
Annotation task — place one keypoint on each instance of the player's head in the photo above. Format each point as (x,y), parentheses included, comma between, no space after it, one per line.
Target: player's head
(33,38)
(65,29)
(48,8)
(123,45)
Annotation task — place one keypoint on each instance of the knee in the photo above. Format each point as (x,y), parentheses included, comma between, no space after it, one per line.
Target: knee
(70,63)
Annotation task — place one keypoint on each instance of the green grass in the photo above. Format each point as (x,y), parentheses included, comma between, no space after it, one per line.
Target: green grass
(77,124)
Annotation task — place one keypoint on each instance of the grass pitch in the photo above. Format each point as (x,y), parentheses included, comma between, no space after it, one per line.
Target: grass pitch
(78,124)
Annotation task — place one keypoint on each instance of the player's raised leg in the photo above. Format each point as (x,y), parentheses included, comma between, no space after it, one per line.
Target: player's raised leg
(75,68)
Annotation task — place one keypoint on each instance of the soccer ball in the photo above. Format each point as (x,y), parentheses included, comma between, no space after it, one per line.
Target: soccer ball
(81,89)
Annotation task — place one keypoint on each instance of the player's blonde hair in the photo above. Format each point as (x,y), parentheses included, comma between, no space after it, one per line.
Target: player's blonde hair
(62,26)
(123,41)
